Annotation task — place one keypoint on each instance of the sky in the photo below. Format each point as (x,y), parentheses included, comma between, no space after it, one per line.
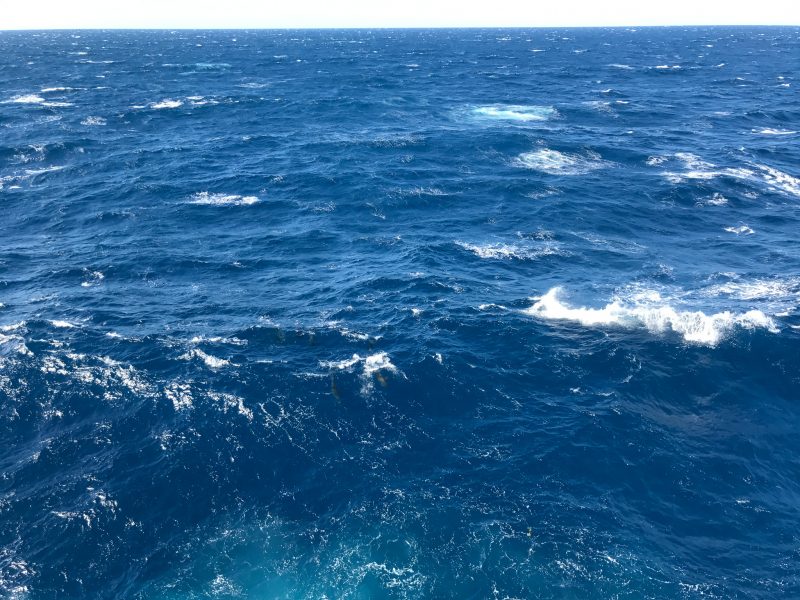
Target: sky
(255,14)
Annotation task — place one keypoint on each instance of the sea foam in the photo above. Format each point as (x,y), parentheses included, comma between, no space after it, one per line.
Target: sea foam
(772,290)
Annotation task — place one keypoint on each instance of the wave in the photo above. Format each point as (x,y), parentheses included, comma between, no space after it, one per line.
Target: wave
(209,199)
(515,112)
(694,326)
(93,121)
(554,162)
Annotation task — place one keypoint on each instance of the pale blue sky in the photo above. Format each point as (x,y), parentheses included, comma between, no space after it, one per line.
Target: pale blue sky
(49,14)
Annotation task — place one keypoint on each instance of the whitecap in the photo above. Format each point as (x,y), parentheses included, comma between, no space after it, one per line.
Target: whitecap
(211,362)
(209,199)
(419,191)
(695,168)
(780,181)
(716,199)
(624,67)
(491,306)
(42,171)
(372,365)
(344,331)
(92,278)
(201,100)
(93,121)
(515,112)
(554,162)
(25,99)
(500,251)
(230,401)
(234,341)
(693,326)
(166,104)
(378,362)
(180,394)
(341,365)
(740,230)
(599,105)
(62,324)
(14,343)
(770,131)
(771,290)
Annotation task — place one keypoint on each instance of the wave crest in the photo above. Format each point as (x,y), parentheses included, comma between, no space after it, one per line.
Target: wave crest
(694,326)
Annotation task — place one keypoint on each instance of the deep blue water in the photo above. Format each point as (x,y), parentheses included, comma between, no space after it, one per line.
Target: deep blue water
(400,314)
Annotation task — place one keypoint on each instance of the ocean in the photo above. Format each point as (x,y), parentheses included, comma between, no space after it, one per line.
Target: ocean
(351,314)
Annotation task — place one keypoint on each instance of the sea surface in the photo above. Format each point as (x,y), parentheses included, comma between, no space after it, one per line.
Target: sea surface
(469,314)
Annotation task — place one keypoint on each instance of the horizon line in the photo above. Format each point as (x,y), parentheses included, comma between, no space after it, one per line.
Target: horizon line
(399,27)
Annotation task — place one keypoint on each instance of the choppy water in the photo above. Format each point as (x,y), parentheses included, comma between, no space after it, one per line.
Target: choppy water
(400,314)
